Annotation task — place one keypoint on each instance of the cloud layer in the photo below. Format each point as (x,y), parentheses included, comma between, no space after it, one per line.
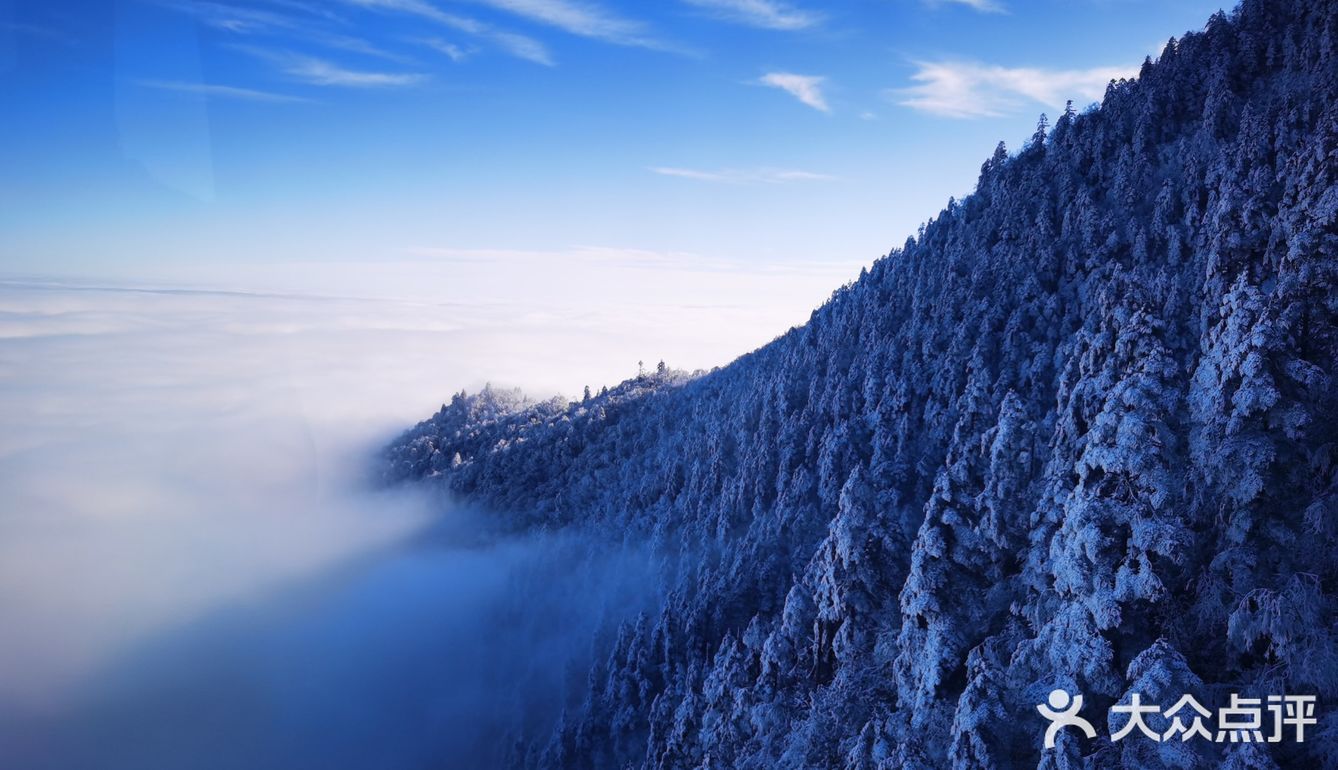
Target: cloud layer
(165,451)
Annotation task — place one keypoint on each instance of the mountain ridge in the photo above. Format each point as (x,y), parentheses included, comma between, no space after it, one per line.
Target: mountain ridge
(1077,433)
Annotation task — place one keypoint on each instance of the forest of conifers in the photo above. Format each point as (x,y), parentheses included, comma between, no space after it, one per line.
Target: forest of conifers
(1081,432)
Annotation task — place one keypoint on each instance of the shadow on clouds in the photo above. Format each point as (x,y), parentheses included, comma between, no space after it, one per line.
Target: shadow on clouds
(431,655)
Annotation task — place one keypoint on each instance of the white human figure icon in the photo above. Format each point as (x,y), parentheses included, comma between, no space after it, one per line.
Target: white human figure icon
(1063,712)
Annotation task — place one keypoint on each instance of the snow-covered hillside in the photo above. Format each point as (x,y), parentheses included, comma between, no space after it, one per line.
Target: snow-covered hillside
(1080,433)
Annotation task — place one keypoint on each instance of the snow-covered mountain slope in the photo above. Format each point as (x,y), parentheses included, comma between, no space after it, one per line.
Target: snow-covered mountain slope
(1080,433)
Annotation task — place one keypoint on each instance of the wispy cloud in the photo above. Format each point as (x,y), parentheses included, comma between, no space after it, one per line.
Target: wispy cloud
(318,10)
(355,45)
(322,72)
(423,9)
(226,92)
(520,46)
(767,14)
(579,18)
(452,51)
(957,89)
(743,176)
(805,88)
(230,18)
(984,6)
(241,20)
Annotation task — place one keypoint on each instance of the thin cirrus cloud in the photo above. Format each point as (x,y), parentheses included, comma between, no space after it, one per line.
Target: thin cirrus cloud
(230,18)
(356,45)
(452,51)
(522,47)
(519,46)
(805,88)
(742,176)
(957,89)
(322,72)
(238,20)
(766,14)
(213,90)
(984,6)
(581,19)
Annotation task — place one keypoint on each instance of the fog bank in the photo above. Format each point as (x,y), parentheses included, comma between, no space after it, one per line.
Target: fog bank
(185,457)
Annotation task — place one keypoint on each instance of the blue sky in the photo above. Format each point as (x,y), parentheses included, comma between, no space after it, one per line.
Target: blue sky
(140,134)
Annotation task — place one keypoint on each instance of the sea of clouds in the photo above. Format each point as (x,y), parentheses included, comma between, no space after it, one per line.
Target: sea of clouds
(181,458)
